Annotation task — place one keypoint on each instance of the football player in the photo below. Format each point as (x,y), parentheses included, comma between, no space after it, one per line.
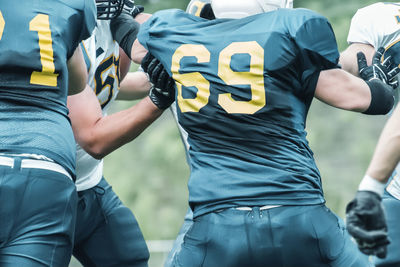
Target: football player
(243,93)
(107,233)
(371,27)
(40,64)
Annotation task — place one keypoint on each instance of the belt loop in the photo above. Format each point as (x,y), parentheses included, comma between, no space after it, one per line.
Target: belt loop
(256,211)
(17,163)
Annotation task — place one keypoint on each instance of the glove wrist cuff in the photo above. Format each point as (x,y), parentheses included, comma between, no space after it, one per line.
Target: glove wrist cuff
(370,184)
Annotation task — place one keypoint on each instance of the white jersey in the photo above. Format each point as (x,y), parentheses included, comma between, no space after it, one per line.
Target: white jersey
(379,25)
(101,54)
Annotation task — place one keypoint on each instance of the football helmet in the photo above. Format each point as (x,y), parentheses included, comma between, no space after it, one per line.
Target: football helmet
(236,9)
(109,9)
(195,6)
(201,8)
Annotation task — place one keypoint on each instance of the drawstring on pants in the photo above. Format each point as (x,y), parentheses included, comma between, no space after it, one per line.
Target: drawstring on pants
(100,191)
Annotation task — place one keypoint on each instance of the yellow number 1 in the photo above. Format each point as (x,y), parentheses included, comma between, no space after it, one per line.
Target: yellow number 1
(40,23)
(2,23)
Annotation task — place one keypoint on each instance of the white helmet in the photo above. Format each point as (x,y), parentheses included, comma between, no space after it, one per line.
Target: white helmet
(236,9)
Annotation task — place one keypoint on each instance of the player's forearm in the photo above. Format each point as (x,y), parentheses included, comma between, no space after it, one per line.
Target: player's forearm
(348,58)
(136,85)
(387,151)
(342,90)
(113,131)
(348,62)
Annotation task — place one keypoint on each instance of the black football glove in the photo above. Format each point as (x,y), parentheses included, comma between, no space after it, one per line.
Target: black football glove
(163,91)
(132,9)
(384,71)
(365,221)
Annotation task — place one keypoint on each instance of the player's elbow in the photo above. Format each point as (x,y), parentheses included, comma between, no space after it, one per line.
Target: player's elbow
(96,153)
(93,146)
(96,150)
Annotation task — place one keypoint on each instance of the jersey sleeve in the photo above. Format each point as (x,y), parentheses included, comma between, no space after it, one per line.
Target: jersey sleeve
(144,31)
(317,43)
(89,19)
(318,50)
(160,25)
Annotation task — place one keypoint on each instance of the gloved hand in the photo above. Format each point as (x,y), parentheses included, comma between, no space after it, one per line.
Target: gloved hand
(365,220)
(384,71)
(162,92)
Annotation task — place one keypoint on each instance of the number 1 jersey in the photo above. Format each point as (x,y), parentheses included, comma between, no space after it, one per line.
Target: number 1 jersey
(36,40)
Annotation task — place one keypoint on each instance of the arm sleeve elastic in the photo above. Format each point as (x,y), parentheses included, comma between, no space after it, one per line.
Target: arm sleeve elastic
(382,98)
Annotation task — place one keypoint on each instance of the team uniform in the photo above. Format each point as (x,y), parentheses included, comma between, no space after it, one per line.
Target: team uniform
(107,233)
(37,152)
(243,93)
(378,25)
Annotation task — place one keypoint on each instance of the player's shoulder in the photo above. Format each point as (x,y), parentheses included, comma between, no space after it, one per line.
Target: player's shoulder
(378,7)
(169,12)
(79,5)
(301,14)
(300,20)
(377,11)
(168,16)
(297,17)
(379,19)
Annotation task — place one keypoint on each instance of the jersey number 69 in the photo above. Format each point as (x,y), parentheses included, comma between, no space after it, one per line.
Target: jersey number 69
(254,77)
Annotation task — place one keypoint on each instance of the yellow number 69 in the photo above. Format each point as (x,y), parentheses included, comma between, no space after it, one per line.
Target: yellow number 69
(254,77)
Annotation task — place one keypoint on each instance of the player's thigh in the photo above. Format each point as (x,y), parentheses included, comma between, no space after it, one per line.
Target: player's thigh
(335,244)
(391,206)
(117,239)
(43,219)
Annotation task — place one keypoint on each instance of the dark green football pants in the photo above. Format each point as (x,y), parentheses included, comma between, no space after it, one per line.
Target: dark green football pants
(293,236)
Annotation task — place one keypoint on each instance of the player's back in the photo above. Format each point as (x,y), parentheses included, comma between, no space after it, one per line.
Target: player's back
(244,90)
(36,39)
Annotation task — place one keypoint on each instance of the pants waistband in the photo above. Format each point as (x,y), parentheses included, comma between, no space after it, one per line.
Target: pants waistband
(35,164)
(266,207)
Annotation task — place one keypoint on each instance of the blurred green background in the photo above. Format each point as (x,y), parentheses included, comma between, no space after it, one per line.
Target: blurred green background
(150,174)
